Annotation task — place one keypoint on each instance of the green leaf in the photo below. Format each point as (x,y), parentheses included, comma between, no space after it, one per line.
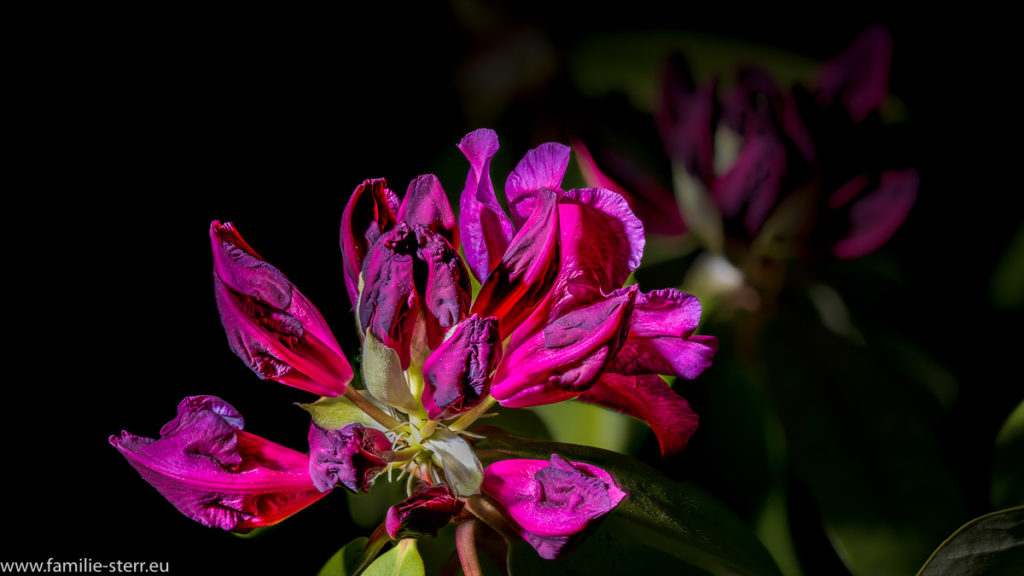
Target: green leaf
(678,518)
(864,442)
(609,549)
(345,561)
(402,560)
(991,545)
(336,413)
(588,424)
(384,378)
(1008,462)
(353,557)
(1006,288)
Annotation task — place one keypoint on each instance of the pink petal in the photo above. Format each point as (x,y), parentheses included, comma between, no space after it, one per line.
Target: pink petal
(540,169)
(351,457)
(457,375)
(549,501)
(527,271)
(447,292)
(876,216)
(370,212)
(486,229)
(389,303)
(602,241)
(216,474)
(567,356)
(426,204)
(269,324)
(412,274)
(650,399)
(858,78)
(661,339)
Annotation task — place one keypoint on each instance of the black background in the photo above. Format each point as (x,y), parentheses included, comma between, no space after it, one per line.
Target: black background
(133,130)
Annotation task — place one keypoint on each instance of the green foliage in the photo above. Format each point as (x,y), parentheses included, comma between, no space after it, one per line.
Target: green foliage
(992,545)
(402,560)
(1008,472)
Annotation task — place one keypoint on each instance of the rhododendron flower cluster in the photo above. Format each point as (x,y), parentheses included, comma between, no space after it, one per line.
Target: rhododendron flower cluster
(762,173)
(552,320)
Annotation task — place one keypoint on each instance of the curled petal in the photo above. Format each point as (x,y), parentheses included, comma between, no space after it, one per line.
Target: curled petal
(527,271)
(858,78)
(412,273)
(551,500)
(661,339)
(566,357)
(389,302)
(351,457)
(426,204)
(876,216)
(370,212)
(215,473)
(485,228)
(457,375)
(752,183)
(270,325)
(447,291)
(540,169)
(422,514)
(601,241)
(650,399)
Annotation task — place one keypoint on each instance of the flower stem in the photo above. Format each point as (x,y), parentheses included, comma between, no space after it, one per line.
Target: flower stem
(465,543)
(468,418)
(370,409)
(480,507)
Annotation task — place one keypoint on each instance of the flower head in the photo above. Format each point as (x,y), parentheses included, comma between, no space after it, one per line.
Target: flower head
(550,501)
(270,325)
(422,514)
(553,320)
(217,474)
(795,172)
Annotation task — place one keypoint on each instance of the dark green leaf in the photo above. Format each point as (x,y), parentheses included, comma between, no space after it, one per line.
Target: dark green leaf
(992,545)
(864,442)
(353,557)
(678,518)
(1008,472)
(346,560)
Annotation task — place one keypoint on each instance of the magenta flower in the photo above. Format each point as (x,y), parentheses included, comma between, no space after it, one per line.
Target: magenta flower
(756,152)
(270,325)
(215,473)
(422,514)
(549,502)
(351,457)
(551,318)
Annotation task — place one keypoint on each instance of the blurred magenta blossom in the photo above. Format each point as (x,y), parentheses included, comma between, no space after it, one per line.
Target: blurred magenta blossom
(762,172)
(552,320)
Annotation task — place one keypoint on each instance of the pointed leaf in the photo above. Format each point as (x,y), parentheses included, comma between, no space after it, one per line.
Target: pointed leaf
(991,545)
(345,560)
(402,560)
(334,413)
